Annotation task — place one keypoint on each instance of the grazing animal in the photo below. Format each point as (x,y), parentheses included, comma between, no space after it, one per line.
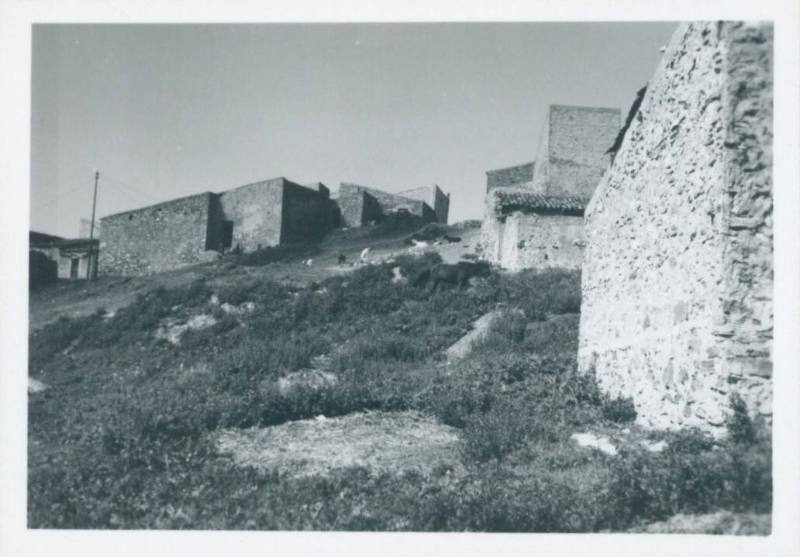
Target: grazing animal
(342,259)
(456,275)
(309,262)
(418,244)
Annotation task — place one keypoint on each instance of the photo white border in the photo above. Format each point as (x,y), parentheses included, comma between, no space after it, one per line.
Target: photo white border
(16,18)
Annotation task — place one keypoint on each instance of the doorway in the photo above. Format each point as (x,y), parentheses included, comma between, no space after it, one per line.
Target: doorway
(227,234)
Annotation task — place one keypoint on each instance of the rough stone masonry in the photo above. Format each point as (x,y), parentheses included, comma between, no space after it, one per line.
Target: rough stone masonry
(678,271)
(533,212)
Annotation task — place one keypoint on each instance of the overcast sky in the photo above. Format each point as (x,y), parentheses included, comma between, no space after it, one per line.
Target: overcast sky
(164,111)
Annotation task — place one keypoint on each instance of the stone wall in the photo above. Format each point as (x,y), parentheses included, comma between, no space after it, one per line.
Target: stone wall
(677,276)
(434,197)
(156,238)
(441,205)
(256,212)
(390,202)
(523,229)
(531,240)
(307,214)
(357,209)
(510,176)
(571,158)
(569,163)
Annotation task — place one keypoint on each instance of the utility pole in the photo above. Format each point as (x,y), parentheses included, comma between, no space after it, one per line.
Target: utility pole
(89,274)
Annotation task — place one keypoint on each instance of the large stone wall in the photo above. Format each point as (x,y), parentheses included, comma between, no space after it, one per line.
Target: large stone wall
(434,197)
(156,238)
(572,150)
(510,176)
(307,214)
(677,277)
(256,212)
(390,202)
(357,208)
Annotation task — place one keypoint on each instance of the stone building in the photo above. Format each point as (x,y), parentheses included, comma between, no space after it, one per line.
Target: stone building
(71,258)
(678,271)
(359,205)
(197,228)
(533,215)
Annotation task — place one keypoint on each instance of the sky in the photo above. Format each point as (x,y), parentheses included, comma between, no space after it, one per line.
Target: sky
(164,111)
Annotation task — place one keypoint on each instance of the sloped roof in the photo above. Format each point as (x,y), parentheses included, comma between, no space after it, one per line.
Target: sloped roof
(42,238)
(508,199)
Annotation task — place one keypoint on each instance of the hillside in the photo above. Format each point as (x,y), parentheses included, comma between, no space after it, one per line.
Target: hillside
(263,392)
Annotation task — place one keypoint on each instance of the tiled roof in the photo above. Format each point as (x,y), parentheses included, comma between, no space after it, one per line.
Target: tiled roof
(514,198)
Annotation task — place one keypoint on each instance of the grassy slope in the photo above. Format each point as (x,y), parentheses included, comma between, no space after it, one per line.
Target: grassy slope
(122,436)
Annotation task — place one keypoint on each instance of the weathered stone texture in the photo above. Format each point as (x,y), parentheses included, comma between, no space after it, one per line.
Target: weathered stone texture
(357,208)
(677,275)
(511,176)
(156,238)
(256,213)
(569,163)
(542,241)
(573,149)
(198,228)
(529,230)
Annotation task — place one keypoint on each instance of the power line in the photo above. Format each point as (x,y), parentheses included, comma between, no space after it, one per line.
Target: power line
(58,197)
(130,187)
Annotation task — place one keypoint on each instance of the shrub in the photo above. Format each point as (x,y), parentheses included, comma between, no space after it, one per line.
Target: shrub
(619,410)
(509,325)
(739,424)
(543,293)
(125,443)
(46,344)
(494,434)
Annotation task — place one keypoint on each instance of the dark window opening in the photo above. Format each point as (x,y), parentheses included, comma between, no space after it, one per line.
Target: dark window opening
(73,268)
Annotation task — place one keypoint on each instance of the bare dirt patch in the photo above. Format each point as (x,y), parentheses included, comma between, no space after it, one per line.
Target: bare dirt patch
(379,441)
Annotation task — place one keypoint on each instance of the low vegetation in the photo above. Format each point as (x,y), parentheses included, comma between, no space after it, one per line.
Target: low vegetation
(121,439)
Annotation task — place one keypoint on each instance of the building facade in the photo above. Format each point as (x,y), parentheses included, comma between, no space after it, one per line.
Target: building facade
(72,259)
(533,214)
(197,228)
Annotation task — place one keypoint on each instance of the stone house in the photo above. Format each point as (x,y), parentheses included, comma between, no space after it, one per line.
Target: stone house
(533,214)
(73,259)
(196,228)
(677,305)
